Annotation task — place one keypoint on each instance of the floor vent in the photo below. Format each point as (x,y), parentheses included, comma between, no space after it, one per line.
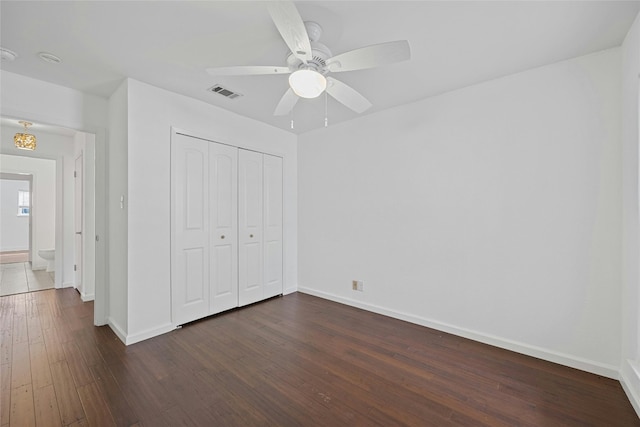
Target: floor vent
(224,92)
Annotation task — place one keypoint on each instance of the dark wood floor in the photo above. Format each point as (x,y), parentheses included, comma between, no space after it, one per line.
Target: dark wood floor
(291,361)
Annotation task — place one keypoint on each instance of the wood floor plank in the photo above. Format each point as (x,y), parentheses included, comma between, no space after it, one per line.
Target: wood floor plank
(21,365)
(22,408)
(5,393)
(6,345)
(141,392)
(53,343)
(34,329)
(40,371)
(46,407)
(96,409)
(20,330)
(122,412)
(69,404)
(77,364)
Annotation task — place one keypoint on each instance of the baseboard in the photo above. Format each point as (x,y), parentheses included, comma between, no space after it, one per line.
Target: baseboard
(597,368)
(69,285)
(117,330)
(87,297)
(149,333)
(14,250)
(289,290)
(140,336)
(630,380)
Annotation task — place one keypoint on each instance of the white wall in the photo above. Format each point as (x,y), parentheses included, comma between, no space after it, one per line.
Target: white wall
(630,363)
(14,229)
(43,200)
(492,212)
(46,103)
(152,113)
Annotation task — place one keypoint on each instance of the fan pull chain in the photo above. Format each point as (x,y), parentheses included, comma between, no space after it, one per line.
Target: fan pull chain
(292,118)
(326,101)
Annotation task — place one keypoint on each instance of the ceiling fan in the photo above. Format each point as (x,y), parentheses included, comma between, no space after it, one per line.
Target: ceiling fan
(310,62)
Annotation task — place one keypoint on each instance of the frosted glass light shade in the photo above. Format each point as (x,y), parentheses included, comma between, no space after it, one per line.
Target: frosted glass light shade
(307,83)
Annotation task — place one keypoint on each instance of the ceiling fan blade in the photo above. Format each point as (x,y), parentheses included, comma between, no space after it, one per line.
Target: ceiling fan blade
(347,95)
(286,104)
(370,56)
(289,23)
(249,70)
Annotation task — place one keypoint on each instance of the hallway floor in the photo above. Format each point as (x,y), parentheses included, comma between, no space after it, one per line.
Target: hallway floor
(17,278)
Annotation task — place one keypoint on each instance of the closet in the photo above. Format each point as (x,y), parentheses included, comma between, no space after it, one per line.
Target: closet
(226,227)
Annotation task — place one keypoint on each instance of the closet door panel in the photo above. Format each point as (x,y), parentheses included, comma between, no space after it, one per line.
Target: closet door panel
(250,224)
(189,228)
(273,269)
(223,161)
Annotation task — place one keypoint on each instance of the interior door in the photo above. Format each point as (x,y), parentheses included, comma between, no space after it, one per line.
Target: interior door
(190,288)
(223,179)
(273,282)
(78,222)
(250,226)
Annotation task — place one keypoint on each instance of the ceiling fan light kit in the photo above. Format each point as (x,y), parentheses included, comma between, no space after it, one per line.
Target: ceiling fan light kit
(307,83)
(310,62)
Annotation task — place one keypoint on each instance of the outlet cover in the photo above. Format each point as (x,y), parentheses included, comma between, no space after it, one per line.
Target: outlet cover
(360,286)
(354,285)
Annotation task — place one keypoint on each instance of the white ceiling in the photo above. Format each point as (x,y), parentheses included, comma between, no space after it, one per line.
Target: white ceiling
(169,44)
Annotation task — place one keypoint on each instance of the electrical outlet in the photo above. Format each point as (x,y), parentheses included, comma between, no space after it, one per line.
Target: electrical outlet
(354,285)
(360,286)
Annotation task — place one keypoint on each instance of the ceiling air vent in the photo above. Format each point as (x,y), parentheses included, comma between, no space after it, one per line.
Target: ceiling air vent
(224,92)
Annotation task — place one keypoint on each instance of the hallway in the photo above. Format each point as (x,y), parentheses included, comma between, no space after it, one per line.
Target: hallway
(17,278)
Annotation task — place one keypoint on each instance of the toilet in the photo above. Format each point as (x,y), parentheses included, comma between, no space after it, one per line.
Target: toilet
(49,255)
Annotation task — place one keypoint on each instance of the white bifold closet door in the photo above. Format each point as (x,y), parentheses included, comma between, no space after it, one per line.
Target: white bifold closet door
(260,226)
(223,214)
(226,227)
(190,229)
(250,180)
(272,220)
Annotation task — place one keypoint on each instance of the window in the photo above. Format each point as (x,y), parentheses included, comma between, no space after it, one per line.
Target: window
(23,203)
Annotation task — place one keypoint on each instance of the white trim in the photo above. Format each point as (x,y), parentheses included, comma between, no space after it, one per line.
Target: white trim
(69,285)
(630,381)
(288,291)
(87,297)
(117,329)
(149,333)
(597,368)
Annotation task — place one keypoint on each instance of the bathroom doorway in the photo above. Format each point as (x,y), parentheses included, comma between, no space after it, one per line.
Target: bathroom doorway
(17,218)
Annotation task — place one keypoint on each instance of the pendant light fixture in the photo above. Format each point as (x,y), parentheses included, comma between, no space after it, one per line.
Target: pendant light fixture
(25,141)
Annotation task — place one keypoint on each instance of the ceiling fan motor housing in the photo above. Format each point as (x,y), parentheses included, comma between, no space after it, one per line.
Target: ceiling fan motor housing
(319,52)
(318,63)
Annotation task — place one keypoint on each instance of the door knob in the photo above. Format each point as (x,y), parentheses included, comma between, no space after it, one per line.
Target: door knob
(250,235)
(222,237)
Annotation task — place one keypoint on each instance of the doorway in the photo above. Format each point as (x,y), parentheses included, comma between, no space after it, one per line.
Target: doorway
(64,149)
(18,241)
